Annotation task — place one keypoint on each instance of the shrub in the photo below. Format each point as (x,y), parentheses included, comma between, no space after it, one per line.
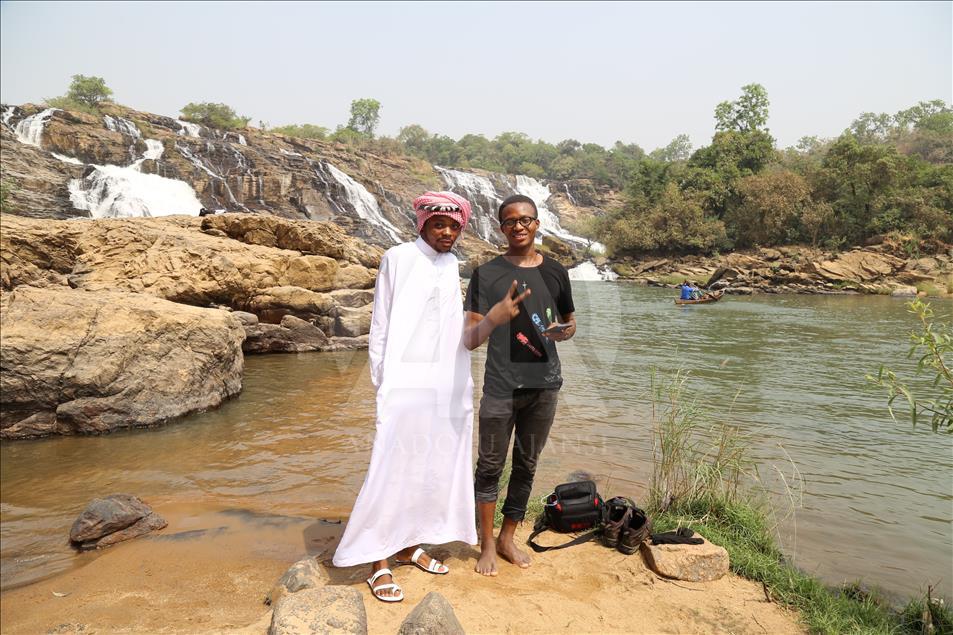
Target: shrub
(213,116)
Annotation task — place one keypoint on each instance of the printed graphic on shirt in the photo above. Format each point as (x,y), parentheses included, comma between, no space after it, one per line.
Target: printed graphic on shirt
(522,339)
(539,322)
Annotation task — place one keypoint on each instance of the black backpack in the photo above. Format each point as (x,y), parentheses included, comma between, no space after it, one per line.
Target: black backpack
(572,507)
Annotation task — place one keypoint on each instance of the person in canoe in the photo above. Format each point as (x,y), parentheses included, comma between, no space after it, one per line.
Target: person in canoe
(690,291)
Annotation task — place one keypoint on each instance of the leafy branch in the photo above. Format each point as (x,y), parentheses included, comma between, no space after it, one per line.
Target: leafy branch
(933,342)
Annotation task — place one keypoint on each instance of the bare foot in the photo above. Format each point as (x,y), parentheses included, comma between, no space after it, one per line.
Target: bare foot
(486,565)
(509,551)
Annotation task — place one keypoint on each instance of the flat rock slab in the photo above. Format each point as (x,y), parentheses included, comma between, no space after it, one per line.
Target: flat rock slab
(112,519)
(433,616)
(329,609)
(693,563)
(304,574)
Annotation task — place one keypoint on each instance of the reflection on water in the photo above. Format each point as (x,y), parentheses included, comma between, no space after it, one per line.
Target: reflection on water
(789,370)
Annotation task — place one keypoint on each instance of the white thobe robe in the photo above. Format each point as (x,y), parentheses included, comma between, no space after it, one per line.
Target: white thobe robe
(419,486)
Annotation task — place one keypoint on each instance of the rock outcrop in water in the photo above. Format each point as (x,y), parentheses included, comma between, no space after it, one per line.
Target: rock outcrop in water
(116,323)
(115,518)
(88,362)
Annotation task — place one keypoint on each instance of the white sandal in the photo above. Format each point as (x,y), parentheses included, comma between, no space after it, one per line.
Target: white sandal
(383,587)
(436,567)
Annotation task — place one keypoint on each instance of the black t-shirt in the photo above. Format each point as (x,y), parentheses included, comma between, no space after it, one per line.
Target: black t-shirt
(518,356)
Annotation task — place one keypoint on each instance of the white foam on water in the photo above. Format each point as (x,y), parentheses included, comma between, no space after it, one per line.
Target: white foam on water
(189,129)
(30,129)
(289,154)
(364,203)
(589,271)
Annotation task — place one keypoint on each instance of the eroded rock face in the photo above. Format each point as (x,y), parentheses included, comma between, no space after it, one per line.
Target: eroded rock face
(172,258)
(115,518)
(92,362)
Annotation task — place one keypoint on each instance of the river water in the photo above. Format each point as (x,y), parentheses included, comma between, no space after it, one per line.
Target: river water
(856,495)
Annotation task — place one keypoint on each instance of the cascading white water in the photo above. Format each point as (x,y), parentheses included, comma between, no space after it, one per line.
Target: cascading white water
(8,112)
(549,222)
(122,126)
(364,203)
(189,129)
(111,191)
(483,198)
(589,271)
(30,129)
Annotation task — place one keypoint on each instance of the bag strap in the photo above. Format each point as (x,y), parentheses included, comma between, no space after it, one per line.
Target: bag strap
(575,541)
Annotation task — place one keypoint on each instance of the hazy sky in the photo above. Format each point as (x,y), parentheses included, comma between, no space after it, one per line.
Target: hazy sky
(600,72)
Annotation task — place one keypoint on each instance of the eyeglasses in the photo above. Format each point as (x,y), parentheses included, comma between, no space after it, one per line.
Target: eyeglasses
(525,221)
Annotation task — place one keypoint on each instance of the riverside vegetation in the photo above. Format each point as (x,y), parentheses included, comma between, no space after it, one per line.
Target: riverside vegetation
(703,478)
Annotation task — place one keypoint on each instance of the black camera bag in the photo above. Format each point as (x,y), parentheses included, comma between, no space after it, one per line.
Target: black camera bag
(571,508)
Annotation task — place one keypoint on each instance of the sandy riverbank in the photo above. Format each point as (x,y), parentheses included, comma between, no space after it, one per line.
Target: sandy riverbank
(209,571)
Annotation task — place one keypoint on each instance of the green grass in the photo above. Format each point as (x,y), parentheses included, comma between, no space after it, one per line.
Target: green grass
(703,479)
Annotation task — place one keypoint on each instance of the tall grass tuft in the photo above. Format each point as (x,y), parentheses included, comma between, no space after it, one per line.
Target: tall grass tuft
(703,478)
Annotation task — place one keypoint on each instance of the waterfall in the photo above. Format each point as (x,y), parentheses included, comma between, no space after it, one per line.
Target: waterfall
(189,129)
(483,198)
(111,191)
(589,271)
(549,222)
(122,126)
(30,129)
(200,164)
(569,194)
(363,203)
(8,112)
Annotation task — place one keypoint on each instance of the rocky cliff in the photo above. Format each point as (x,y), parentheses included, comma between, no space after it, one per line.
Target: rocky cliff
(130,163)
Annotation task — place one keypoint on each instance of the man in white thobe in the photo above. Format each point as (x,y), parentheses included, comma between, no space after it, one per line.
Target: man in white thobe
(419,486)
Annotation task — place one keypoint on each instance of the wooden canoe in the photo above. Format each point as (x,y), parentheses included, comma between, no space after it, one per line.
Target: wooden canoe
(705,299)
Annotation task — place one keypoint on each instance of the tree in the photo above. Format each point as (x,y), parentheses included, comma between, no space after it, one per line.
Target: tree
(679,149)
(89,91)
(365,115)
(213,115)
(768,209)
(748,114)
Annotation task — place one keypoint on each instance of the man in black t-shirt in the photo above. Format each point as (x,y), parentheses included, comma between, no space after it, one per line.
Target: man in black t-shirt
(522,302)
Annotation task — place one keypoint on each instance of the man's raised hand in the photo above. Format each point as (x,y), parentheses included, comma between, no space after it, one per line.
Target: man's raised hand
(507,308)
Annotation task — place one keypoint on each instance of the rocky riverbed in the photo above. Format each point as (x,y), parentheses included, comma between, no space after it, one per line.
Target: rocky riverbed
(119,323)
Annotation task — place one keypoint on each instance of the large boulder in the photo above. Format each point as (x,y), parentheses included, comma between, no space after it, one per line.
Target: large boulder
(353,322)
(112,519)
(91,362)
(693,563)
(858,266)
(329,609)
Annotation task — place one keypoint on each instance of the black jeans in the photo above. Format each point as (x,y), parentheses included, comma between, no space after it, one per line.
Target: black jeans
(530,412)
